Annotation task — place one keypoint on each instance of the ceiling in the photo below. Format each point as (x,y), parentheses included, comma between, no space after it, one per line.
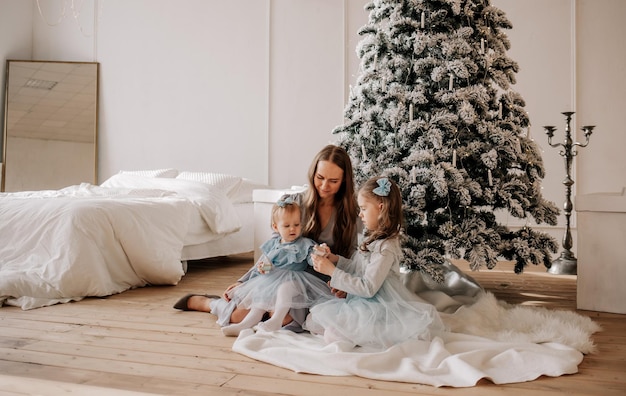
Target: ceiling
(52,100)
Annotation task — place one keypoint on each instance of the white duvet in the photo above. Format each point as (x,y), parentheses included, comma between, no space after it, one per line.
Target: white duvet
(86,240)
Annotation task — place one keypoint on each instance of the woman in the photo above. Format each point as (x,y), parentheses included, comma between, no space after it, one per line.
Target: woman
(329,216)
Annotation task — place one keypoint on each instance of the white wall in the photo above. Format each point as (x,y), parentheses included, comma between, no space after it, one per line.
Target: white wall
(600,94)
(183,84)
(306,84)
(254,87)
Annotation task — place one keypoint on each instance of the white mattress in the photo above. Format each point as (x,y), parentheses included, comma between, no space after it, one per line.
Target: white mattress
(238,242)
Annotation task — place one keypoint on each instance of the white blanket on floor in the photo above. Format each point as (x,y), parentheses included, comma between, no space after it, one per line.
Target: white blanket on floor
(490,339)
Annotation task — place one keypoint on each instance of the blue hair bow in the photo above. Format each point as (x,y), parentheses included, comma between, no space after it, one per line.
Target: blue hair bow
(285,201)
(384,186)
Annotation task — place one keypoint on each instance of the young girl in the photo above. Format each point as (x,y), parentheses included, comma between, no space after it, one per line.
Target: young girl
(283,284)
(379,310)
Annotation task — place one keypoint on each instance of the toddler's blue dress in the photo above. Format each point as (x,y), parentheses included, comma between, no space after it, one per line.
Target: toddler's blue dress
(288,260)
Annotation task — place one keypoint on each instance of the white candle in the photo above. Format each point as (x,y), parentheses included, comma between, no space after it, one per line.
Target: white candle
(451,82)
(482,46)
(423,20)
(489,177)
(383,83)
(375,60)
(500,110)
(411,112)
(454,158)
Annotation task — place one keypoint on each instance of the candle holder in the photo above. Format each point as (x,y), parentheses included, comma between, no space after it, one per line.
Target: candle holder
(566,264)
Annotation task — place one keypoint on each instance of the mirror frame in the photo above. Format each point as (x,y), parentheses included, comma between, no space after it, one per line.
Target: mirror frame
(47,72)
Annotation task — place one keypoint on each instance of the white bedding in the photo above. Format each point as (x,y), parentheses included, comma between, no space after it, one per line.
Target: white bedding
(85,240)
(233,243)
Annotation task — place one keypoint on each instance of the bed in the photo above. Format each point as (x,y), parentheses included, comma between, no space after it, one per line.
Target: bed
(138,228)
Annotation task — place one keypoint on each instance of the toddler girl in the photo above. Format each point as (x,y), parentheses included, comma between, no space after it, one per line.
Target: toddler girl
(282,283)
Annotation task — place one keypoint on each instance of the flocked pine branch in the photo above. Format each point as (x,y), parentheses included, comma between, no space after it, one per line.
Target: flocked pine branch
(433,108)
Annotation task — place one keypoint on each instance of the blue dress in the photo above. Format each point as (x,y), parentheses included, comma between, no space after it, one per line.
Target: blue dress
(289,261)
(379,310)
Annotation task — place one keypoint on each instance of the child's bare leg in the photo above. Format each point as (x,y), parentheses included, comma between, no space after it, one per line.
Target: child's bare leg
(251,319)
(238,315)
(284,297)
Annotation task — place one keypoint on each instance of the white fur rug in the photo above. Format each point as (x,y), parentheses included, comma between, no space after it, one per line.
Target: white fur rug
(499,321)
(489,339)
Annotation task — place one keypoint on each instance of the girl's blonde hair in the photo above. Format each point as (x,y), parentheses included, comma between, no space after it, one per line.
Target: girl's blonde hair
(345,202)
(390,218)
(281,207)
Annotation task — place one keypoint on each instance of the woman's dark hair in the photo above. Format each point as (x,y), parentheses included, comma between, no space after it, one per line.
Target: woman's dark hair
(345,202)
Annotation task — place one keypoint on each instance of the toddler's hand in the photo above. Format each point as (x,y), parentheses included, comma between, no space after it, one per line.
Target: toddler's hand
(226,295)
(264,264)
(321,250)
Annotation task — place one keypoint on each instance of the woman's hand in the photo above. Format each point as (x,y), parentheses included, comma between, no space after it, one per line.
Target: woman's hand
(322,265)
(225,295)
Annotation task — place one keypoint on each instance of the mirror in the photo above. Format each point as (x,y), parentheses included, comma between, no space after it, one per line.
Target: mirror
(50,125)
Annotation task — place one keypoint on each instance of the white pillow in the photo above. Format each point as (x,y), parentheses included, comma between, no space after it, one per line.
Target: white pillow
(168,173)
(215,207)
(244,192)
(227,183)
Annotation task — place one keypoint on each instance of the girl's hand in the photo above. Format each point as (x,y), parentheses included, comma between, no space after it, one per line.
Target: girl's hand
(225,295)
(322,265)
(338,293)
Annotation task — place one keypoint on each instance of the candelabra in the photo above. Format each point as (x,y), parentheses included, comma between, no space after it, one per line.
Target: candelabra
(566,263)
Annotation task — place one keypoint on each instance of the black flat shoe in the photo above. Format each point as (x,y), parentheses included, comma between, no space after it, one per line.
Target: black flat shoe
(182,303)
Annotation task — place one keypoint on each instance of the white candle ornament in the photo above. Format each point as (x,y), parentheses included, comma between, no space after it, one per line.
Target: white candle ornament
(411,112)
(489,177)
(482,46)
(451,82)
(423,20)
(454,158)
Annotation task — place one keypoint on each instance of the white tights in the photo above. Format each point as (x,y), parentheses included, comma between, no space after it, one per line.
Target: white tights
(284,297)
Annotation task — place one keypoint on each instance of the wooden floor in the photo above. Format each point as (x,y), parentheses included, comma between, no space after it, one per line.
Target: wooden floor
(135,342)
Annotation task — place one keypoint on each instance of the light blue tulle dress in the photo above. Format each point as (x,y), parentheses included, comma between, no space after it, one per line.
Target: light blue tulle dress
(379,310)
(289,261)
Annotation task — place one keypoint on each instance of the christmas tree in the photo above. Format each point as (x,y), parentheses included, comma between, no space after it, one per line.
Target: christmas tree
(433,109)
